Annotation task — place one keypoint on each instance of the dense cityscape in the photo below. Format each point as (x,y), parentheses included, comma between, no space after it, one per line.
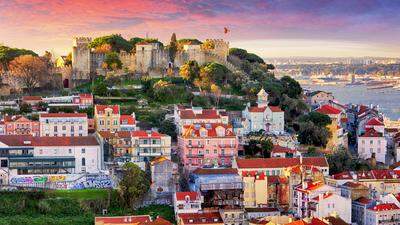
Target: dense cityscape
(133,129)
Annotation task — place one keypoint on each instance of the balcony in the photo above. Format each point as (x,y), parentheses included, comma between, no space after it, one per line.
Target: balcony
(226,146)
(195,146)
(227,155)
(150,154)
(195,156)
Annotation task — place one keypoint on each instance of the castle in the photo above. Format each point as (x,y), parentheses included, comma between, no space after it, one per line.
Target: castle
(148,58)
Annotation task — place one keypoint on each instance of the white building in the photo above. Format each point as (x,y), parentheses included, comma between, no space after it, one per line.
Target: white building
(383,214)
(63,124)
(325,204)
(27,155)
(187,202)
(372,143)
(263,116)
(128,122)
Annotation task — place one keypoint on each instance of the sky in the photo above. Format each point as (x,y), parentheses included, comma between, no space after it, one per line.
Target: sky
(270,28)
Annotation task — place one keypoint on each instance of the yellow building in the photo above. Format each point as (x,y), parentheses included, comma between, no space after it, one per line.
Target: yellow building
(255,191)
(107,118)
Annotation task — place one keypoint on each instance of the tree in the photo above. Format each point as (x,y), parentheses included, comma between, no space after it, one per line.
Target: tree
(311,134)
(8,54)
(216,91)
(319,119)
(168,127)
(112,61)
(116,41)
(100,89)
(190,70)
(29,71)
(291,87)
(266,147)
(104,48)
(68,60)
(133,185)
(341,160)
(25,108)
(173,48)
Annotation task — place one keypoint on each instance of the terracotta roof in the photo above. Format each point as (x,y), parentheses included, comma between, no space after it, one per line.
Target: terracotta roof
(328,110)
(372,174)
(205,171)
(257,109)
(384,207)
(181,196)
(280,162)
(363,200)
(264,209)
(85,95)
(158,221)
(31,98)
(205,114)
(371,133)
(200,218)
(335,220)
(17,118)
(324,196)
(27,140)
(159,159)
(123,219)
(374,122)
(281,149)
(101,108)
(275,109)
(354,185)
(145,134)
(194,130)
(127,120)
(63,115)
(311,186)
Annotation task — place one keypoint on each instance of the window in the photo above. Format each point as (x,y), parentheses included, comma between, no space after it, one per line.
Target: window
(64,127)
(83,162)
(70,151)
(83,151)
(72,128)
(215,151)
(55,128)
(371,141)
(80,128)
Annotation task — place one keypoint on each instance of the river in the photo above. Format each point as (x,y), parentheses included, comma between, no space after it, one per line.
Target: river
(388,99)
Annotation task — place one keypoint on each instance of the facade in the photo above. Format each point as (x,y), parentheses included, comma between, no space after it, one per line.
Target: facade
(383,214)
(328,203)
(372,144)
(187,202)
(263,117)
(150,58)
(339,135)
(280,174)
(24,155)
(359,209)
(80,101)
(107,118)
(19,125)
(203,218)
(164,177)
(197,115)
(139,147)
(207,145)
(379,182)
(316,98)
(354,190)
(63,124)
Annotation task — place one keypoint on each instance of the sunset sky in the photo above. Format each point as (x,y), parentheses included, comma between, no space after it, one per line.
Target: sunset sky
(271,28)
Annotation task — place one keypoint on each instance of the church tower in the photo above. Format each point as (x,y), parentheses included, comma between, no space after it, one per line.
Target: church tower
(262,98)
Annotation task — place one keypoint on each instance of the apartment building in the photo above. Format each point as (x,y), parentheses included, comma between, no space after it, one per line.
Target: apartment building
(107,118)
(63,124)
(19,125)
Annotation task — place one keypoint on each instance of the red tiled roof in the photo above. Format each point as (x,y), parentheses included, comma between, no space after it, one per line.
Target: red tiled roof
(354,185)
(123,219)
(374,122)
(194,130)
(31,98)
(275,109)
(200,218)
(63,115)
(328,110)
(85,95)
(280,162)
(372,174)
(127,120)
(205,114)
(181,196)
(281,149)
(16,118)
(206,171)
(145,134)
(102,108)
(371,133)
(324,196)
(158,221)
(27,140)
(384,207)
(363,200)
(257,109)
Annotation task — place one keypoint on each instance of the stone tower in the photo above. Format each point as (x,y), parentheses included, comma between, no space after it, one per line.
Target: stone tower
(81,58)
(149,56)
(262,98)
(221,48)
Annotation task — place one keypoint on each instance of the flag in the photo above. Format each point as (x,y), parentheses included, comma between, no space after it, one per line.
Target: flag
(226,30)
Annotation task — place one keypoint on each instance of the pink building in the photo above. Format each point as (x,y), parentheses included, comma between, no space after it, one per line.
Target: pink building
(207,145)
(19,125)
(83,100)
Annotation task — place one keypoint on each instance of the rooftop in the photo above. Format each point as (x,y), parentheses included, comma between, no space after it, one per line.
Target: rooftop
(257,163)
(328,110)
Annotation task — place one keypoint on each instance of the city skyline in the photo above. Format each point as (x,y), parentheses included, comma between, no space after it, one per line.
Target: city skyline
(268,28)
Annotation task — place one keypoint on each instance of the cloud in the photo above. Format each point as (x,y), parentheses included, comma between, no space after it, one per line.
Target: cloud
(30,22)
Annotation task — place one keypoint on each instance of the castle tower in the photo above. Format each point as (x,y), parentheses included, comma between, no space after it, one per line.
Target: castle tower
(262,98)
(221,48)
(81,57)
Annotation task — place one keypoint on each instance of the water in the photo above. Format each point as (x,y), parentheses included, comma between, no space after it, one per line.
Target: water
(387,99)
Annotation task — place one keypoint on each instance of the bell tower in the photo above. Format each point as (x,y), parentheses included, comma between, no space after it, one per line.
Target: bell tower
(262,98)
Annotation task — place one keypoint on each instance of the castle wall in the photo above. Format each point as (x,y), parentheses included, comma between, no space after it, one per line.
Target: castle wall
(81,61)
